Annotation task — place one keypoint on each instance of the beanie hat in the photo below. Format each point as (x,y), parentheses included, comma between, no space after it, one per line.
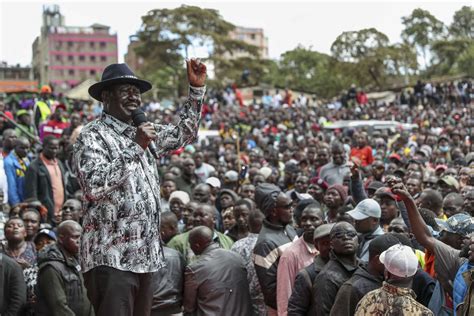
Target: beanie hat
(341,190)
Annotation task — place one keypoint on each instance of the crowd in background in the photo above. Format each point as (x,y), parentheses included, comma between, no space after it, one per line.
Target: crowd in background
(314,220)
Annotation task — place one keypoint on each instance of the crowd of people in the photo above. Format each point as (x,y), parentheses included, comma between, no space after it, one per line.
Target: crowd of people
(278,215)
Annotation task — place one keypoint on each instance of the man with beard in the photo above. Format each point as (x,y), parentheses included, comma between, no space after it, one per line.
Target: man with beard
(338,270)
(300,254)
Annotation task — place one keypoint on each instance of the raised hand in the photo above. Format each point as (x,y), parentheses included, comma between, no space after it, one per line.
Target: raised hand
(398,188)
(196,72)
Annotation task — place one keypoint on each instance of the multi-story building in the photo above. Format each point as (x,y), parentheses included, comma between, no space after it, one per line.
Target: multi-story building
(252,36)
(64,56)
(16,78)
(131,58)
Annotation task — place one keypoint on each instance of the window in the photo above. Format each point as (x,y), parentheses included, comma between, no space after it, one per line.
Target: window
(103,44)
(82,57)
(71,72)
(59,57)
(252,36)
(92,72)
(103,58)
(70,44)
(92,44)
(92,58)
(70,58)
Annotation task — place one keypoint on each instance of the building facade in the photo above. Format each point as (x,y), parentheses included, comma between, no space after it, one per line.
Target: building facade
(16,79)
(64,56)
(252,36)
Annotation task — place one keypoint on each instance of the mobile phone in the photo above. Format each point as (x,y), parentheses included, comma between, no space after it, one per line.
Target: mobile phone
(243,172)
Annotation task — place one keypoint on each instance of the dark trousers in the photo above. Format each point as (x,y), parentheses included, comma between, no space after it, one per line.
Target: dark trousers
(119,293)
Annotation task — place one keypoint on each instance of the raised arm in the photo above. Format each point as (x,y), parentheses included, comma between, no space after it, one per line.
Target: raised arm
(418,225)
(357,189)
(171,137)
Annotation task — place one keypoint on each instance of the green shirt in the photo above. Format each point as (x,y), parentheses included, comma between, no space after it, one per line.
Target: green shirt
(181,244)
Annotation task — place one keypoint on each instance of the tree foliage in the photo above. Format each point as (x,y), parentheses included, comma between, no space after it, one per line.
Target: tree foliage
(463,23)
(422,29)
(167,35)
(363,57)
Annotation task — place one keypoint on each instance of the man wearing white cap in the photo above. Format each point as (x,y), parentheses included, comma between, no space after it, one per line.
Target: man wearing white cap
(367,223)
(395,297)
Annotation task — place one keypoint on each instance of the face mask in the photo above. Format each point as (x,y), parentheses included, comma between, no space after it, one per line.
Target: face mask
(444,148)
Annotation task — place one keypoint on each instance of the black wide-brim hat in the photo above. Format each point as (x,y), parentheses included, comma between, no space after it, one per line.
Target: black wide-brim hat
(117,74)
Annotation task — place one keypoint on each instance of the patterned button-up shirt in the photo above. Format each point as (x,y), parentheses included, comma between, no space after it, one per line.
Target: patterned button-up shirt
(122,189)
(244,247)
(391,300)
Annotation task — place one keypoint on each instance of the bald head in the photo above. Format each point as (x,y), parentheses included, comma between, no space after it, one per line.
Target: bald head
(202,193)
(200,238)
(68,226)
(69,235)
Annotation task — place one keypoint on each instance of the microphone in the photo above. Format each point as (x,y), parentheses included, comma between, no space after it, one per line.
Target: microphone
(139,117)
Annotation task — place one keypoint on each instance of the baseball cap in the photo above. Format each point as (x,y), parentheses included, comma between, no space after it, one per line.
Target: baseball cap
(469,157)
(45,232)
(366,208)
(22,112)
(180,195)
(213,182)
(231,175)
(375,185)
(425,150)
(400,260)
(461,224)
(320,182)
(450,180)
(386,192)
(265,172)
(322,231)
(395,156)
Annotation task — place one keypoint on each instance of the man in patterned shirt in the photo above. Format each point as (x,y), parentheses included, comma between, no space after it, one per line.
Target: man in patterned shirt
(121,245)
(395,297)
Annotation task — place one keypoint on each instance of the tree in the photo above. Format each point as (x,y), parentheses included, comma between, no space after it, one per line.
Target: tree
(168,35)
(362,47)
(353,46)
(463,23)
(422,29)
(446,54)
(466,61)
(312,72)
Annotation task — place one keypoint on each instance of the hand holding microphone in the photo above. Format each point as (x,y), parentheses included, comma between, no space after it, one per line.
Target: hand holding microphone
(146,132)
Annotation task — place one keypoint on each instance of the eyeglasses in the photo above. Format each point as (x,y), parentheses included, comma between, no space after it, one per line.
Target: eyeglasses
(341,235)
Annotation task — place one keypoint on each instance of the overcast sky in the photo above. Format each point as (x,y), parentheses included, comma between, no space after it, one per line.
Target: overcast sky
(314,24)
